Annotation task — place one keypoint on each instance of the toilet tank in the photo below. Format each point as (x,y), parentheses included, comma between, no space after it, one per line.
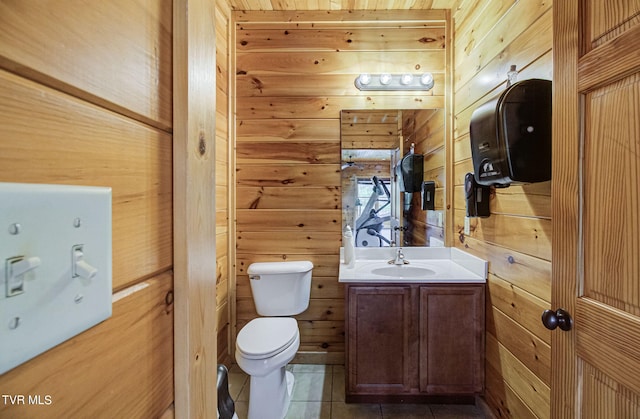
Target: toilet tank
(280,288)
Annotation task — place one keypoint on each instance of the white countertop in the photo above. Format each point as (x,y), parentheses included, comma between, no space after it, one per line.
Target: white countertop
(445,265)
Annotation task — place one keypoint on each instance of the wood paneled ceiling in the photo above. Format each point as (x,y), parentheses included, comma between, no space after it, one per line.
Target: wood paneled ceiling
(345,5)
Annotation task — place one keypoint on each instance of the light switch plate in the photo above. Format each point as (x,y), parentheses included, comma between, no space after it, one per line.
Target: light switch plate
(47,223)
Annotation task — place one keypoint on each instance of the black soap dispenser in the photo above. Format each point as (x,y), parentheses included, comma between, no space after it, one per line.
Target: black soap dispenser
(477,197)
(428,195)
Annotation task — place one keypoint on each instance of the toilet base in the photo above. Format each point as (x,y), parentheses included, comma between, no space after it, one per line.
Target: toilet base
(270,395)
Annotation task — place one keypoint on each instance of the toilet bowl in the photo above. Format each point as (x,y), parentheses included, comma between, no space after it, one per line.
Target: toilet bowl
(266,345)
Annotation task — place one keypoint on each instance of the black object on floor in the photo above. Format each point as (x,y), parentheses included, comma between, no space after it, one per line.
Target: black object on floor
(226,408)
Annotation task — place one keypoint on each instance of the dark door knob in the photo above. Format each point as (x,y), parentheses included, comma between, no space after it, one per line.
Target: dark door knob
(559,318)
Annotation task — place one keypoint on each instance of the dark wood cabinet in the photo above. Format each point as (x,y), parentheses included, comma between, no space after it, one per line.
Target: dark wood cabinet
(379,339)
(451,334)
(408,342)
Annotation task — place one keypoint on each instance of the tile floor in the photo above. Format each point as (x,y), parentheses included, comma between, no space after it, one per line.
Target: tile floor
(318,393)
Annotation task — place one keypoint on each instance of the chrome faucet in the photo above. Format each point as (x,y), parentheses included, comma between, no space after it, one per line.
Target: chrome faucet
(399,259)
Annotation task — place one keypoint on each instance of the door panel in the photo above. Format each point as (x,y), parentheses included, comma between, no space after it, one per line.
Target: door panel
(606,18)
(378,333)
(596,210)
(608,339)
(451,339)
(611,213)
(605,398)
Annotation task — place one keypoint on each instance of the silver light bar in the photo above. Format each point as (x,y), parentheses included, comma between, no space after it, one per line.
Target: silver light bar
(386,81)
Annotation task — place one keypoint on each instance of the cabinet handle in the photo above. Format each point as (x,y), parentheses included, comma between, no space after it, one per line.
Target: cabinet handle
(559,318)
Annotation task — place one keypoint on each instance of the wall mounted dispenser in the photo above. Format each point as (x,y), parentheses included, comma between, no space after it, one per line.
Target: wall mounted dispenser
(428,195)
(410,172)
(511,135)
(477,197)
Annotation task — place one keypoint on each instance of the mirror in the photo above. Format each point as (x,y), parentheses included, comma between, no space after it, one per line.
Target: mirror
(373,204)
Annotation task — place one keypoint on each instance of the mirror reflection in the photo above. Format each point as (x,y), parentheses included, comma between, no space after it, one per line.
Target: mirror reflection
(366,187)
(375,205)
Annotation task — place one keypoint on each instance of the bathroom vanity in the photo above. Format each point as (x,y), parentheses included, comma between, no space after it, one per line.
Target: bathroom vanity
(414,334)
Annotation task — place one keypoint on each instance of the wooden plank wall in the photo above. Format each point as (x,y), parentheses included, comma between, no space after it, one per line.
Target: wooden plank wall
(489,37)
(426,129)
(295,73)
(363,130)
(119,135)
(224,191)
(86,99)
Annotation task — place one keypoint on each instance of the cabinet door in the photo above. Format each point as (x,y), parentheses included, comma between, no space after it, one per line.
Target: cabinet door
(378,330)
(451,339)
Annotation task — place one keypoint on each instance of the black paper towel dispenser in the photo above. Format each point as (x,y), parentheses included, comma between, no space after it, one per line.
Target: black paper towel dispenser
(410,171)
(511,135)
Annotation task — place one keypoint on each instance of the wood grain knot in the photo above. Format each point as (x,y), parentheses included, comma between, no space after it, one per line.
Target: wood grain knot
(202,144)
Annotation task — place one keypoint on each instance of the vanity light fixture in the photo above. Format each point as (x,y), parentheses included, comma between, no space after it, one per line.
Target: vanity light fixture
(386,81)
(426,79)
(406,79)
(364,79)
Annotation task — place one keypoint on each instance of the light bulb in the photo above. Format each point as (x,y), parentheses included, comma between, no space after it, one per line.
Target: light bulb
(512,76)
(427,79)
(406,79)
(385,78)
(364,79)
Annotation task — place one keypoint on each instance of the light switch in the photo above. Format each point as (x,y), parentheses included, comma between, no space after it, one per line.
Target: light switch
(15,270)
(79,267)
(55,247)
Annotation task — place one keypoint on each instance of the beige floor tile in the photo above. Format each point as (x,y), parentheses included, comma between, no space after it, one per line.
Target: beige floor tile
(244,393)
(312,387)
(341,410)
(242,410)
(236,383)
(318,393)
(454,411)
(326,369)
(337,388)
(406,411)
(309,410)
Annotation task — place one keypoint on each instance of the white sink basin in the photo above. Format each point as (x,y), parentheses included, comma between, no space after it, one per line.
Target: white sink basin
(426,265)
(403,271)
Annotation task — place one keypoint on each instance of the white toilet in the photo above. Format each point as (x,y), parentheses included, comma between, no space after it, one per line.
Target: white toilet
(266,345)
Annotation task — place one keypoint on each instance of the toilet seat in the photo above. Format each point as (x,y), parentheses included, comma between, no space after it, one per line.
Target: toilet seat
(264,337)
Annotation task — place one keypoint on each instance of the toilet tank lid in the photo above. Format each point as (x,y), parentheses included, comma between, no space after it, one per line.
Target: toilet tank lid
(265,268)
